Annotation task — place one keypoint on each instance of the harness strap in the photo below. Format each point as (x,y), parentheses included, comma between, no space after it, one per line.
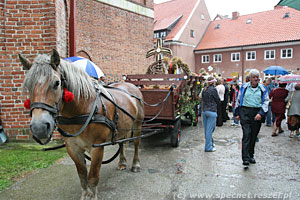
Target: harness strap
(140,99)
(132,117)
(119,107)
(65,134)
(116,119)
(43,106)
(83,118)
(40,142)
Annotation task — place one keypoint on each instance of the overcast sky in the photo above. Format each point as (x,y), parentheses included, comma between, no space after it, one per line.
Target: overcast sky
(226,7)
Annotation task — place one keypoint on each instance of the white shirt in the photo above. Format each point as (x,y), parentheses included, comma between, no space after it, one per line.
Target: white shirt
(221,91)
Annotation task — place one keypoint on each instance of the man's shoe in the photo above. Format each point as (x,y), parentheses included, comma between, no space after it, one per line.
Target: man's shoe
(269,125)
(252,161)
(213,150)
(246,163)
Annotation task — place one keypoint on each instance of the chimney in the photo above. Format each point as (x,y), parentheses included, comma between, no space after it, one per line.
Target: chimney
(235,15)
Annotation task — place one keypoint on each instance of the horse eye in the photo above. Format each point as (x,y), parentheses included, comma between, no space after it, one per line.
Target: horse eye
(56,84)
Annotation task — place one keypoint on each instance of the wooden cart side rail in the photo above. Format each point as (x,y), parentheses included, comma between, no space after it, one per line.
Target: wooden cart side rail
(140,83)
(162,79)
(154,76)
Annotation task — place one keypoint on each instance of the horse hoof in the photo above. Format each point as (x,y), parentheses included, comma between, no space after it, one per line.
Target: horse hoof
(121,167)
(135,169)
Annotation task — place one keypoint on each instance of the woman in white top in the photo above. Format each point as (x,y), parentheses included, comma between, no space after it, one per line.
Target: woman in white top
(221,91)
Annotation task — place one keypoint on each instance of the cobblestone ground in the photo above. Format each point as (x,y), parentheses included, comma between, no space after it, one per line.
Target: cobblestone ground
(186,172)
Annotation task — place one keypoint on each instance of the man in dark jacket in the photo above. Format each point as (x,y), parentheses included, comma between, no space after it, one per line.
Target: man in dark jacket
(225,116)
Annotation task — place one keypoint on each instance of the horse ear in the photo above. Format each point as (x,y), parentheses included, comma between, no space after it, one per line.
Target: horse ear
(26,63)
(55,59)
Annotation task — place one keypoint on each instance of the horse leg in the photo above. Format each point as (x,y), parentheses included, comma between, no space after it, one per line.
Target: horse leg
(78,157)
(122,162)
(94,173)
(136,167)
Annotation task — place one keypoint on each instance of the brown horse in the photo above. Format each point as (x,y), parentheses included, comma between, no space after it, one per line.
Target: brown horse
(46,80)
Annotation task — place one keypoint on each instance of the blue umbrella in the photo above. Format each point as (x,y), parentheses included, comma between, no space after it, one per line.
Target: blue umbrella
(88,66)
(276,70)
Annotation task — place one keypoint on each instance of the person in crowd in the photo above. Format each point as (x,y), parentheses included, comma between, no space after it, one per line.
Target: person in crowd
(247,78)
(235,88)
(294,110)
(234,80)
(270,116)
(290,86)
(265,83)
(210,100)
(221,92)
(251,108)
(102,80)
(277,96)
(225,103)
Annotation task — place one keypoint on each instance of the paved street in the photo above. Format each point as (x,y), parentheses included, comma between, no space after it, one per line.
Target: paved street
(186,172)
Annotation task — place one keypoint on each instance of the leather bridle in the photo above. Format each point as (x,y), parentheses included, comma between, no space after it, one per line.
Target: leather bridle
(53,110)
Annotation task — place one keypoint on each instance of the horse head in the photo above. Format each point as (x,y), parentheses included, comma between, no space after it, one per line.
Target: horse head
(43,81)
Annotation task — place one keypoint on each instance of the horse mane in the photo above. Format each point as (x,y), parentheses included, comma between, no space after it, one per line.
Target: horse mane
(77,80)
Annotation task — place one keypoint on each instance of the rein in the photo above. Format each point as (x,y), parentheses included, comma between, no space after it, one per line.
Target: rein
(141,100)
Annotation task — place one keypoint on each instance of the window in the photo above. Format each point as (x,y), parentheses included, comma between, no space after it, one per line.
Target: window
(266,76)
(249,21)
(251,55)
(235,57)
(286,53)
(217,26)
(217,57)
(192,33)
(163,34)
(286,15)
(202,17)
(269,54)
(205,59)
(156,35)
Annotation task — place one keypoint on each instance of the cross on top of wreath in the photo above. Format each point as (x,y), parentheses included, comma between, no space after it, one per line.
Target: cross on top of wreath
(158,52)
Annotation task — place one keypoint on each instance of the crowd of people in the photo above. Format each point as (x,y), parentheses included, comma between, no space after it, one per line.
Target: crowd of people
(252,103)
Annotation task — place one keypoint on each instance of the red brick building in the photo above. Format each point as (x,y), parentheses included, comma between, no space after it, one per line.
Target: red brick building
(236,45)
(115,34)
(181,24)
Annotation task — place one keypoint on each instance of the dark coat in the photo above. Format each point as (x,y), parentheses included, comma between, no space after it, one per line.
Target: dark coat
(278,96)
(210,99)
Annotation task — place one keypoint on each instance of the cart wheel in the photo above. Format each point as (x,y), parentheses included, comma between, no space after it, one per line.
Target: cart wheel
(175,133)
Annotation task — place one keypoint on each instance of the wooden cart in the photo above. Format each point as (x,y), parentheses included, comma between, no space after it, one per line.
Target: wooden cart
(178,98)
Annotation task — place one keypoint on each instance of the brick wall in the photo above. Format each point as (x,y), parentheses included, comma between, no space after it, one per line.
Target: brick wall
(117,40)
(27,27)
(226,67)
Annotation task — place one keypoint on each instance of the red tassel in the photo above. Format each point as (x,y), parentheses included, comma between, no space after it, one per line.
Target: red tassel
(68,96)
(27,103)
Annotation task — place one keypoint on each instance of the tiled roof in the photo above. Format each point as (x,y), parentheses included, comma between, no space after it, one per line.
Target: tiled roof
(167,13)
(265,27)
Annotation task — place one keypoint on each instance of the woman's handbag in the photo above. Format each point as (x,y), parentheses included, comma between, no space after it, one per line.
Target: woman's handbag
(290,101)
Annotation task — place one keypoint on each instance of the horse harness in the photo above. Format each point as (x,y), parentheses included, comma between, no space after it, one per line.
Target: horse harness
(86,119)
(93,117)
